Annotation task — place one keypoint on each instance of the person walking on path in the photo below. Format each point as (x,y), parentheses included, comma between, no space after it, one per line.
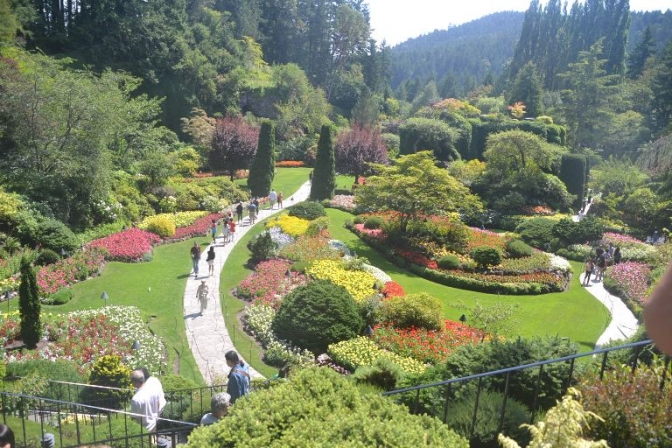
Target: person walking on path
(589,266)
(202,295)
(239,378)
(280,200)
(213,230)
(272,197)
(232,230)
(239,211)
(195,258)
(252,211)
(211,261)
(617,255)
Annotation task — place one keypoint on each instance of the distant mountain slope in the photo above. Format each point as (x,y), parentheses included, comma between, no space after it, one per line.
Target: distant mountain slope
(469,50)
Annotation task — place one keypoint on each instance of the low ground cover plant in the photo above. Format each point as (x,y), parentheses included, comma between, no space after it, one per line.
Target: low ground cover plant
(630,282)
(179,219)
(291,225)
(271,280)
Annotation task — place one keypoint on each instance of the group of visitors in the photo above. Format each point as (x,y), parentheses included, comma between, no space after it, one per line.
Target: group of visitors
(656,239)
(600,262)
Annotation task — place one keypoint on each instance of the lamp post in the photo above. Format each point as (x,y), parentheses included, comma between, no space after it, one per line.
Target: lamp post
(463,318)
(136,345)
(7,297)
(63,253)
(368,331)
(104,296)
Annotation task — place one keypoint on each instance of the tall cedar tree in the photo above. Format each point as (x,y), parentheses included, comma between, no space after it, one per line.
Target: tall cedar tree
(324,175)
(233,145)
(262,170)
(29,306)
(358,147)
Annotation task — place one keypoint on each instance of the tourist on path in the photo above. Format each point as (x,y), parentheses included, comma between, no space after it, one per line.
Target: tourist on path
(239,211)
(213,230)
(280,200)
(195,258)
(617,255)
(232,230)
(219,407)
(252,212)
(239,378)
(272,197)
(211,261)
(589,266)
(202,295)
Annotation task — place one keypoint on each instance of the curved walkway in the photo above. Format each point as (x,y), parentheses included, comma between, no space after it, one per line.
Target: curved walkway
(623,323)
(207,334)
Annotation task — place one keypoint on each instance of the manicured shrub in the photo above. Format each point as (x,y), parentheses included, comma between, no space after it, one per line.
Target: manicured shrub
(318,225)
(179,395)
(47,256)
(56,370)
(537,232)
(413,310)
(316,315)
(374,222)
(359,219)
(324,176)
(262,170)
(29,306)
(518,249)
(307,210)
(573,173)
(383,374)
(262,247)
(319,407)
(61,297)
(449,262)
(486,257)
(111,372)
(161,226)
(55,235)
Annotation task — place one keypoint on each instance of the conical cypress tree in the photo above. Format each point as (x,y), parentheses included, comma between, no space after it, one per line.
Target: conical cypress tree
(324,174)
(29,306)
(262,170)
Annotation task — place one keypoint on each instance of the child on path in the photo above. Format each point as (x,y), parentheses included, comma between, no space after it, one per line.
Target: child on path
(280,200)
(211,261)
(213,230)
(589,266)
(232,229)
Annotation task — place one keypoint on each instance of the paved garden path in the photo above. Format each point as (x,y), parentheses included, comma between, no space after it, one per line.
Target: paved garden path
(207,335)
(623,323)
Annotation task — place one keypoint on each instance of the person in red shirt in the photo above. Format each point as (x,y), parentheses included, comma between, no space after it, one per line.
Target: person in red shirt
(232,229)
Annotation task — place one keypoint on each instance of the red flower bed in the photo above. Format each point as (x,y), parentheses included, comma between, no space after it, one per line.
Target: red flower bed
(426,345)
(392,289)
(269,283)
(480,238)
(65,272)
(198,228)
(129,245)
(289,164)
(418,259)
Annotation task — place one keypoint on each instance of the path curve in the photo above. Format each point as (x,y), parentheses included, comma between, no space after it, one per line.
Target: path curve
(623,323)
(207,334)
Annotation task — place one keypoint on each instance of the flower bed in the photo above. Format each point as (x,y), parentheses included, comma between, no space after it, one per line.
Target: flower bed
(84,336)
(358,283)
(343,202)
(289,164)
(199,227)
(426,346)
(129,245)
(291,225)
(308,248)
(392,289)
(362,351)
(64,273)
(628,281)
(269,283)
(484,238)
(181,219)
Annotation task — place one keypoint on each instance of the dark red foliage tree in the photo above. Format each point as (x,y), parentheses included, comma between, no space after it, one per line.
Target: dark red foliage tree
(358,147)
(233,145)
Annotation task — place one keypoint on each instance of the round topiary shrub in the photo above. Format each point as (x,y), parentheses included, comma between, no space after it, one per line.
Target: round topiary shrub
(518,249)
(161,226)
(449,262)
(374,222)
(537,232)
(47,256)
(60,297)
(55,235)
(307,210)
(316,315)
(262,247)
(413,310)
(486,256)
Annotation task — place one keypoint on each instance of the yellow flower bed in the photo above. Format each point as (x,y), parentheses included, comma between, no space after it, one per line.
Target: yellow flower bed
(291,225)
(362,351)
(181,219)
(358,283)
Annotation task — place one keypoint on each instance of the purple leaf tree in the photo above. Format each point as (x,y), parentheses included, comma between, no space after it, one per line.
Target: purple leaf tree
(358,147)
(233,145)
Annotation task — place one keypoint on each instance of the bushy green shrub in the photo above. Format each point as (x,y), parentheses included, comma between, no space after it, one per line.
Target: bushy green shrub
(449,262)
(317,225)
(373,222)
(179,396)
(307,210)
(111,372)
(162,226)
(486,256)
(58,370)
(319,407)
(316,315)
(518,249)
(485,430)
(537,232)
(262,247)
(358,219)
(383,374)
(585,231)
(47,256)
(418,310)
(55,235)
(60,297)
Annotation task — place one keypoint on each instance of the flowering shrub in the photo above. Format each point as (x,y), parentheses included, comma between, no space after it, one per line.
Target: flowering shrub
(426,346)
(65,272)
(629,281)
(620,240)
(181,219)
(85,336)
(373,233)
(199,227)
(538,210)
(418,259)
(258,320)
(289,164)
(362,351)
(534,277)
(358,283)
(291,225)
(269,283)
(129,245)
(308,248)
(343,202)
(392,289)
(9,284)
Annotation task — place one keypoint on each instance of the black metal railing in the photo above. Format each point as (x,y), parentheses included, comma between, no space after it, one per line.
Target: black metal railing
(541,379)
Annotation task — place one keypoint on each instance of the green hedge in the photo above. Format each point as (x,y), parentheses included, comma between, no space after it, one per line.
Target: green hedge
(419,134)
(481,129)
(573,173)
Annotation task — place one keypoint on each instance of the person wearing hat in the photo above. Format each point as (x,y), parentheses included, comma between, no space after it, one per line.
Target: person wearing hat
(202,295)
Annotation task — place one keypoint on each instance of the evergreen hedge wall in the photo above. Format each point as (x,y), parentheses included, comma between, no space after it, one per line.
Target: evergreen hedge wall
(573,173)
(262,170)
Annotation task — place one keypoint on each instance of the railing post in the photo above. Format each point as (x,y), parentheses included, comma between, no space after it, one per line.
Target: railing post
(569,377)
(635,361)
(604,365)
(473,417)
(536,394)
(506,396)
(445,406)
(417,401)
(79,436)
(664,376)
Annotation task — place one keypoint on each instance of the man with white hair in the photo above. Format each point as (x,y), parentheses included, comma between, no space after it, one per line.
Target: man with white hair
(219,407)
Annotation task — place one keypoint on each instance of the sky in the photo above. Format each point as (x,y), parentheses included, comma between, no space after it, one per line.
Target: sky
(398,20)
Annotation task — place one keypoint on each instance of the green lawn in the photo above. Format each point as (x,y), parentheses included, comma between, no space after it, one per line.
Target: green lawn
(287,181)
(574,314)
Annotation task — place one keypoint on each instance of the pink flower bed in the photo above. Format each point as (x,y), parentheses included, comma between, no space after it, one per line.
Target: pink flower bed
(129,245)
(198,228)
(270,282)
(343,202)
(629,279)
(64,273)
(620,240)
(373,233)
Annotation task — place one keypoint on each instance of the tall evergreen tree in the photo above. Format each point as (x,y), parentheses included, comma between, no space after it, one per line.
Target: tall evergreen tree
(527,89)
(262,170)
(29,306)
(662,86)
(324,175)
(645,48)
